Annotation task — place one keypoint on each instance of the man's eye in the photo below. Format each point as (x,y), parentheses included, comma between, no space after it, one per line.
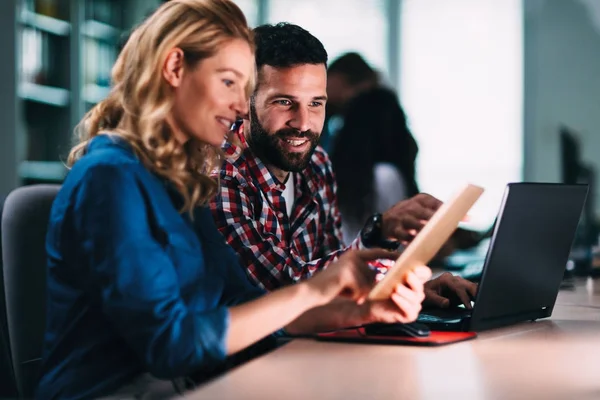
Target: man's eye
(283,102)
(316,104)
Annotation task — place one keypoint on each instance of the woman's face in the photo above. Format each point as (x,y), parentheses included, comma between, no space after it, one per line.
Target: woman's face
(211,95)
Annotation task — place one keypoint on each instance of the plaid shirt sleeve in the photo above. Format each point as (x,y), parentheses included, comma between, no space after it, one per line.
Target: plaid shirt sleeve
(269,260)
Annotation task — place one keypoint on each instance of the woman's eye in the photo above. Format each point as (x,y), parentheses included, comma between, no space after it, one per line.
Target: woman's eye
(228,82)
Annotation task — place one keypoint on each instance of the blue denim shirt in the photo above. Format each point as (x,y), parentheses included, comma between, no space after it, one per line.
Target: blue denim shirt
(133,285)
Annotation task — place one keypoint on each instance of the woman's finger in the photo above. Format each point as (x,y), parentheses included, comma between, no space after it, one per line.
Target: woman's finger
(414,283)
(423,272)
(407,312)
(408,294)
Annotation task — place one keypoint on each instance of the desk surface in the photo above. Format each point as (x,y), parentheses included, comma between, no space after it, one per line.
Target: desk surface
(557,358)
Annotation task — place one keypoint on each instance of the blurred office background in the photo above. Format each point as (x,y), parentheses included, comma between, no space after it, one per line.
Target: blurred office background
(486,84)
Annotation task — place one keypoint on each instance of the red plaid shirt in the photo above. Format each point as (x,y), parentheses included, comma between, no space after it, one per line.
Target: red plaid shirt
(250,212)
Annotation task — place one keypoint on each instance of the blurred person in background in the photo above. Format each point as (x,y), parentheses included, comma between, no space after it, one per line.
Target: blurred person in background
(374,157)
(347,76)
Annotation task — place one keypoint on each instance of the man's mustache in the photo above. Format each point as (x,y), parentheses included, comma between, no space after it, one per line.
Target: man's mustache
(284,134)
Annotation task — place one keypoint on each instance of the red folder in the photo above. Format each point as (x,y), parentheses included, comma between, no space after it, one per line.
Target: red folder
(358,335)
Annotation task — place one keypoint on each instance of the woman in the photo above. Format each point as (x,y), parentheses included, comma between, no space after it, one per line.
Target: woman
(141,286)
(374,157)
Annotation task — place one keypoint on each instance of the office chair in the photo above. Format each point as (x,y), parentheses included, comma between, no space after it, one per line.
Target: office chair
(8,387)
(24,225)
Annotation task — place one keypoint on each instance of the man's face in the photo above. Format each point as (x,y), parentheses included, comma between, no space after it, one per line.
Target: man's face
(287,113)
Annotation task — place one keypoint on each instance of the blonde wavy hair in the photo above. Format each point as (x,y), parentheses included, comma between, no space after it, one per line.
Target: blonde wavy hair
(140,99)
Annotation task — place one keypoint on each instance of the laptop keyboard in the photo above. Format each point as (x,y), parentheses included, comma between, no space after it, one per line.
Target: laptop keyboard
(444,313)
(428,319)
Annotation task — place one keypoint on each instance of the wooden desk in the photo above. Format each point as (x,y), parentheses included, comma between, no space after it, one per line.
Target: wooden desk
(558,358)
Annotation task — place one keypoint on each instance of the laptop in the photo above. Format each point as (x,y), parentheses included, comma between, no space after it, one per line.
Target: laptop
(525,262)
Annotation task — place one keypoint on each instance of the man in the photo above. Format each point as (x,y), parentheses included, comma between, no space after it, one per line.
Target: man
(277,206)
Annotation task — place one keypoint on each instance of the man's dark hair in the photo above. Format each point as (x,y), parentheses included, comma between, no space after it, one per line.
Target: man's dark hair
(354,68)
(286,45)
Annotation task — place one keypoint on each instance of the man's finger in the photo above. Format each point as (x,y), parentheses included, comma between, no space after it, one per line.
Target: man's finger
(463,296)
(400,234)
(435,300)
(421,213)
(472,289)
(411,221)
(374,254)
(428,201)
(407,223)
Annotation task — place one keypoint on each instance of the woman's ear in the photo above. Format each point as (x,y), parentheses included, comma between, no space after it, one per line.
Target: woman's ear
(173,67)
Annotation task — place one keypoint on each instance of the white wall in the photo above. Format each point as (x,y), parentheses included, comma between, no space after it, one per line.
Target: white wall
(462,90)
(562,82)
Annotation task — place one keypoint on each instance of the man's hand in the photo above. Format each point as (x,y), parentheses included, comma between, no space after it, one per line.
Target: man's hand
(448,290)
(405,219)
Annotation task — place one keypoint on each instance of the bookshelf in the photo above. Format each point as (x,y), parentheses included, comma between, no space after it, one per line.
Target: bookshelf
(59,54)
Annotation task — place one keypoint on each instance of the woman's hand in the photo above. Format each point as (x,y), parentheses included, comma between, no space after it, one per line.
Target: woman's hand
(350,276)
(300,307)
(343,312)
(403,306)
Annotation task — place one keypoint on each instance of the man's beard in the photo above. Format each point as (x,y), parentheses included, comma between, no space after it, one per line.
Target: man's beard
(269,148)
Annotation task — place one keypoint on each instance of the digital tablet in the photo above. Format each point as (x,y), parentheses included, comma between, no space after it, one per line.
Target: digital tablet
(428,241)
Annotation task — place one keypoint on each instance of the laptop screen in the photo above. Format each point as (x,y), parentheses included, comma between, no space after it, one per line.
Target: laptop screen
(529,249)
